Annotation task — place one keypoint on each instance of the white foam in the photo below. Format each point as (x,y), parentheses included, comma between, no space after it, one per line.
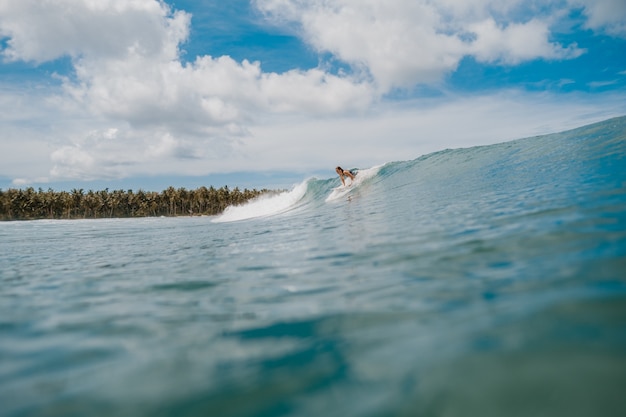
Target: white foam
(361,176)
(265,205)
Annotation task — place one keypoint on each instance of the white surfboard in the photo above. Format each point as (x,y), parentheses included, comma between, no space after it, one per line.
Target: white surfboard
(340,191)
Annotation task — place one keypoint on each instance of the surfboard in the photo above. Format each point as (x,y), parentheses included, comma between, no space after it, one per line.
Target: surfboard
(339,192)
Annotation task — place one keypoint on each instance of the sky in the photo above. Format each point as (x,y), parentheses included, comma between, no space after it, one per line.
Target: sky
(148,94)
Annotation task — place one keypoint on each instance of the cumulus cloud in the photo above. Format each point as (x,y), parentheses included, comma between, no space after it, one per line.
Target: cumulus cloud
(209,93)
(606,15)
(128,73)
(43,30)
(115,153)
(516,43)
(127,64)
(406,42)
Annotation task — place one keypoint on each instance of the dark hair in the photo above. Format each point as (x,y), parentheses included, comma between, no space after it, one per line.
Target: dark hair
(338,167)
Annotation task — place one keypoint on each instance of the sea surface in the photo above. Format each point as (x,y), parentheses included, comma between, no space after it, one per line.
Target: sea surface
(488,281)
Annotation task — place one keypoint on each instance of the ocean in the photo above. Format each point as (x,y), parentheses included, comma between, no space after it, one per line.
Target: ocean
(487,281)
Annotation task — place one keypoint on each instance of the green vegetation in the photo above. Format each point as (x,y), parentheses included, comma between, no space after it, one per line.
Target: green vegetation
(28,204)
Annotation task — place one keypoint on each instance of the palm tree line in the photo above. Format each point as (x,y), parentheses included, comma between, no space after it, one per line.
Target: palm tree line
(28,204)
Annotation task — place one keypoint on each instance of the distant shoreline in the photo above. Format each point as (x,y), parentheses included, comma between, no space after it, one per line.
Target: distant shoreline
(31,204)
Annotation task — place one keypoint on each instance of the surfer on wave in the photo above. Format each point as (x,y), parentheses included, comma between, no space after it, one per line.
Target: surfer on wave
(345,173)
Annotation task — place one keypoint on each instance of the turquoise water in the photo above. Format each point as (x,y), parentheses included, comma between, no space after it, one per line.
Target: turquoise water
(488,281)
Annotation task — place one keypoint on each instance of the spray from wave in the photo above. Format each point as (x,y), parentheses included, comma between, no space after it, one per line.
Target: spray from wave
(265,205)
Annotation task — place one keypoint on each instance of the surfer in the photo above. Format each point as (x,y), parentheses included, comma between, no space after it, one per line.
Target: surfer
(343,174)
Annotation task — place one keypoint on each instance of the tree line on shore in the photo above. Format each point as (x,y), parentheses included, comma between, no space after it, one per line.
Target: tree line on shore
(28,204)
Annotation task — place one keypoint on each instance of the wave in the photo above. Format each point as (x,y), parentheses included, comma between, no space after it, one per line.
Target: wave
(265,205)
(452,173)
(310,191)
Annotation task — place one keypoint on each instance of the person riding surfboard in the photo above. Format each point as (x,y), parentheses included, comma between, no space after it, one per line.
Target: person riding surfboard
(345,173)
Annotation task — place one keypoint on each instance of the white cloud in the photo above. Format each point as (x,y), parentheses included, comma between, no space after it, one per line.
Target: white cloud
(600,84)
(517,42)
(134,72)
(132,79)
(208,93)
(406,42)
(607,15)
(73,162)
(43,30)
(114,153)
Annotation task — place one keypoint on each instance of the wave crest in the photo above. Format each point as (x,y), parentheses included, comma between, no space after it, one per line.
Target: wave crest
(264,205)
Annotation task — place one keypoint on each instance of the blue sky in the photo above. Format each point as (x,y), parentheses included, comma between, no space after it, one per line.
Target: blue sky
(264,93)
